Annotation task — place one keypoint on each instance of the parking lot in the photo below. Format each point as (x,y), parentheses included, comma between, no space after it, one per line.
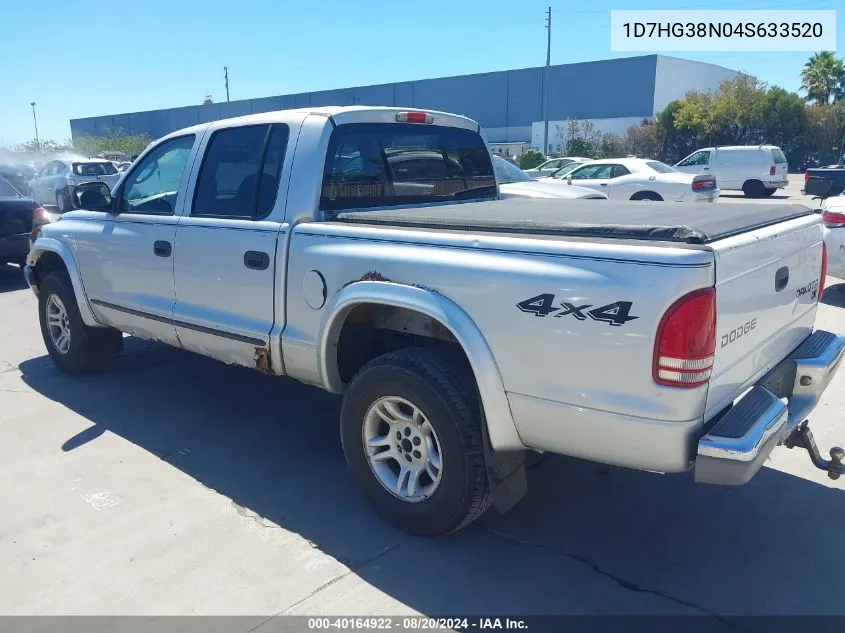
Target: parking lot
(173,484)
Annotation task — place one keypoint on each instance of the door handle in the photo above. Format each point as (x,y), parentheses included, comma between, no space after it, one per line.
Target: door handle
(162,248)
(781,278)
(257,260)
(706,168)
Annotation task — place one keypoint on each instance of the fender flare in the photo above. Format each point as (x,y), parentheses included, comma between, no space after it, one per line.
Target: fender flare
(497,413)
(47,244)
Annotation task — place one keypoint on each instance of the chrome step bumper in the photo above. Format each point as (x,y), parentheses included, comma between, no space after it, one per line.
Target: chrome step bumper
(735,448)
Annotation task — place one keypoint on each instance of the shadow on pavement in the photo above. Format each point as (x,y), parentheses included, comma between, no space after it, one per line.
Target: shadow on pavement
(587,539)
(11,278)
(834,294)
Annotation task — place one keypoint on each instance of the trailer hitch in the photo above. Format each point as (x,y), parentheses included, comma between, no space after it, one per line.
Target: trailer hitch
(802,437)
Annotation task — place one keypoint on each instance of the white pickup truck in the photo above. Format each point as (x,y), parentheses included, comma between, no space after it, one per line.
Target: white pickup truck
(366,251)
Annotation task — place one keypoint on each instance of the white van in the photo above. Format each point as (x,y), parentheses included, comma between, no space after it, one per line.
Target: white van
(756,170)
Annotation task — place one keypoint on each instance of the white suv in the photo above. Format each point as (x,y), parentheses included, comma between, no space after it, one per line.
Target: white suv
(757,170)
(52,184)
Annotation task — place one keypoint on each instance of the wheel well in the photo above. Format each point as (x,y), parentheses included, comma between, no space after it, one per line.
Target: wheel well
(47,263)
(647,195)
(372,329)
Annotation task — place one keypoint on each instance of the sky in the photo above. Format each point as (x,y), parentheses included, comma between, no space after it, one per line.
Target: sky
(79,59)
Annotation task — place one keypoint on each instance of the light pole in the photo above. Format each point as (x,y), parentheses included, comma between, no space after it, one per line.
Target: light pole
(35,121)
(546,82)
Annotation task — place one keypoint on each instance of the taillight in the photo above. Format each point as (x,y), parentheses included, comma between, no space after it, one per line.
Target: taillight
(772,170)
(40,217)
(698,185)
(685,346)
(833,220)
(413,117)
(824,272)
(806,177)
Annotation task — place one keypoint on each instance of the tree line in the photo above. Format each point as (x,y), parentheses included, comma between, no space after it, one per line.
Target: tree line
(743,111)
(111,140)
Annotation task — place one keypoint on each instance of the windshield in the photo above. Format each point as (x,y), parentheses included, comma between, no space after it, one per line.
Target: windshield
(7,190)
(564,171)
(660,168)
(94,169)
(378,164)
(508,172)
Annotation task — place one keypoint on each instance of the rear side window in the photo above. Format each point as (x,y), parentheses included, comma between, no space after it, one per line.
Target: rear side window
(620,170)
(379,164)
(240,172)
(660,168)
(778,156)
(93,169)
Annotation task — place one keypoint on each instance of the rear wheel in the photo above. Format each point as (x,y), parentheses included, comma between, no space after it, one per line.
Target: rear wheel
(63,201)
(647,195)
(411,434)
(769,192)
(74,347)
(753,189)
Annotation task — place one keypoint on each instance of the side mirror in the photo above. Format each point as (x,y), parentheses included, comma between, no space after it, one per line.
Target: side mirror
(569,180)
(92,196)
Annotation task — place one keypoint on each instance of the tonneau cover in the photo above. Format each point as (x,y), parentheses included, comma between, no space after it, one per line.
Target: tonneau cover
(690,223)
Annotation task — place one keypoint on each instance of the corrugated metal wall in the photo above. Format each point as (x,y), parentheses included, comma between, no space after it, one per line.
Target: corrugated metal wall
(505,103)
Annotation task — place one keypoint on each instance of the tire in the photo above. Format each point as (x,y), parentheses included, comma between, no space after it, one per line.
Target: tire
(768,193)
(63,201)
(445,394)
(88,349)
(647,195)
(753,189)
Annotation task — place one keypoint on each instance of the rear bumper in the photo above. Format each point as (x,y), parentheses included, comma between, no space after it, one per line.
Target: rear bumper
(776,184)
(732,451)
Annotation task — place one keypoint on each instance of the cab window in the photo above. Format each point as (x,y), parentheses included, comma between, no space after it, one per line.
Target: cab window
(152,186)
(698,158)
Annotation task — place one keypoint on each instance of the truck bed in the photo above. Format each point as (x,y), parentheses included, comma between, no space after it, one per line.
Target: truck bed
(660,222)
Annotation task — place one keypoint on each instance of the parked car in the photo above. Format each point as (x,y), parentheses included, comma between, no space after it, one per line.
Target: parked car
(515,183)
(550,166)
(53,183)
(16,217)
(827,181)
(643,179)
(757,171)
(833,216)
(461,329)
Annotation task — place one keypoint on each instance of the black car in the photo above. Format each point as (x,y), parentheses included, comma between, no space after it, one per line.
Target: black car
(16,214)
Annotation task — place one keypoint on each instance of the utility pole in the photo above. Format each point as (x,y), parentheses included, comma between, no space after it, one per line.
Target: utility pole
(34,120)
(226,75)
(546,82)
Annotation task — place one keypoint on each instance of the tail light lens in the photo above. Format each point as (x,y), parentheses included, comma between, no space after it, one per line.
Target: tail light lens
(833,220)
(806,177)
(685,347)
(40,217)
(703,182)
(414,117)
(824,272)
(772,170)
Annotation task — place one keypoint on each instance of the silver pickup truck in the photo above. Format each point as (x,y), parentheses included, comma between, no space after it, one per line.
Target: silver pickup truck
(366,251)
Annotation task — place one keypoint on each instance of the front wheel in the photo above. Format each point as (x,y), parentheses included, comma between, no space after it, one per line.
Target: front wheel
(74,347)
(411,434)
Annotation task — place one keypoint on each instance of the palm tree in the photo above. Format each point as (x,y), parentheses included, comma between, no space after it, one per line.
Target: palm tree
(823,77)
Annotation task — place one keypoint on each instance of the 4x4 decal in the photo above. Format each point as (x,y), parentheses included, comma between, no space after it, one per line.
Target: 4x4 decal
(616,313)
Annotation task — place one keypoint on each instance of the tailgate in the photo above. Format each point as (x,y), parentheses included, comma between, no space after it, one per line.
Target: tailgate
(767,284)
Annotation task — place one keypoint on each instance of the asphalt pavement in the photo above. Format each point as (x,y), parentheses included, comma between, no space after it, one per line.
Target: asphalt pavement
(173,484)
